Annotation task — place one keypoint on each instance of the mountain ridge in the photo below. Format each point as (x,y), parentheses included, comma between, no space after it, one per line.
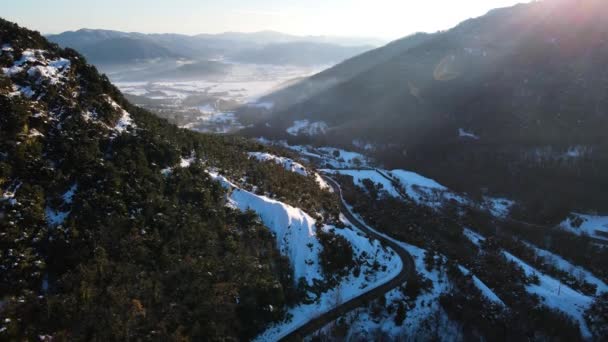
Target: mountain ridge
(509,91)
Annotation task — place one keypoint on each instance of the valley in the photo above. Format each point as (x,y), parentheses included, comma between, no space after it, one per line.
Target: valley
(263,186)
(208,104)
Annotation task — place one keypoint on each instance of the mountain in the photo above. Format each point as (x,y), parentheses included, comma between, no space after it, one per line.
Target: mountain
(299,90)
(298,53)
(126,50)
(258,47)
(114,224)
(513,100)
(273,37)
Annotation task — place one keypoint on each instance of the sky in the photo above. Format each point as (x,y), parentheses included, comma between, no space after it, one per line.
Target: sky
(386,19)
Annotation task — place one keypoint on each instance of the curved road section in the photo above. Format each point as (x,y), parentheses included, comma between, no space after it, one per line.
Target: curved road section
(362,300)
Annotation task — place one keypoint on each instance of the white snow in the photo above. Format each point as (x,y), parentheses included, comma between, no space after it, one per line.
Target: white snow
(421,189)
(10,193)
(592,225)
(294,229)
(295,232)
(427,304)
(68,196)
(485,290)
(344,159)
(474,237)
(462,133)
(7,48)
(417,319)
(322,183)
(305,127)
(553,292)
(186,162)
(557,295)
(410,179)
(34,133)
(54,71)
(26,91)
(566,266)
(424,190)
(125,121)
(214,121)
(333,157)
(287,163)
(55,218)
(499,207)
(360,175)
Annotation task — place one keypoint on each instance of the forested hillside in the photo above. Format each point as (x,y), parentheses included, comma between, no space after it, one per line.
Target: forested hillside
(110,225)
(514,100)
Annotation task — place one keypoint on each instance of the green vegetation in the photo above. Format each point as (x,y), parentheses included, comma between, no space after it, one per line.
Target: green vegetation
(107,239)
(440,232)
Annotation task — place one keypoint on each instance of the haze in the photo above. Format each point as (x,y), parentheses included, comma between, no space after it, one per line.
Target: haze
(387,19)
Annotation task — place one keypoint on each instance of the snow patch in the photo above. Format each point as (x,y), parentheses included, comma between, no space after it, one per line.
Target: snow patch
(55,218)
(499,207)
(54,71)
(295,232)
(485,290)
(305,127)
(556,295)
(125,121)
(464,134)
(360,175)
(68,196)
(591,225)
(564,265)
(474,237)
(322,183)
(9,194)
(293,228)
(287,163)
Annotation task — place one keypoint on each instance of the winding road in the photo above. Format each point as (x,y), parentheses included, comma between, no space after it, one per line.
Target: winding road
(406,272)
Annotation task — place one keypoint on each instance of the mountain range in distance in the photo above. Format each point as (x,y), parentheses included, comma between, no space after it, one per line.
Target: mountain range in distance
(513,99)
(107,47)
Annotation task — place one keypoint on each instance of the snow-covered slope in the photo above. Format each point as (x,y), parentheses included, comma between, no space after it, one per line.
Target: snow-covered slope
(360,175)
(556,295)
(423,190)
(287,163)
(485,290)
(295,233)
(591,225)
(566,266)
(304,127)
(294,230)
(553,293)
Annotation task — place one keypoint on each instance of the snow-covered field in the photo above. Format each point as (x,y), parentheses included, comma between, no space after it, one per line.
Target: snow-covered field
(305,127)
(360,175)
(566,266)
(295,233)
(590,225)
(287,163)
(422,320)
(208,105)
(485,290)
(326,156)
(552,292)
(420,189)
(557,295)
